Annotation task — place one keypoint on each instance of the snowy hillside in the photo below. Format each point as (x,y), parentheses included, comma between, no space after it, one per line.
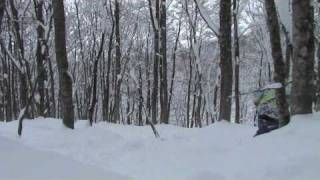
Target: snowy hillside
(221,152)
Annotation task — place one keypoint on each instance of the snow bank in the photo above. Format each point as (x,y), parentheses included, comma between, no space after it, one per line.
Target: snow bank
(222,151)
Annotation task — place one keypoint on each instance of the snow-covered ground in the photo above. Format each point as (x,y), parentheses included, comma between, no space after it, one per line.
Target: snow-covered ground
(19,162)
(221,151)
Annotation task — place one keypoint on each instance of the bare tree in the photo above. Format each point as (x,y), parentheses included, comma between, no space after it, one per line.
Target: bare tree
(164,104)
(106,94)
(236,47)
(155,25)
(38,5)
(174,56)
(117,100)
(225,60)
(95,76)
(65,81)
(24,64)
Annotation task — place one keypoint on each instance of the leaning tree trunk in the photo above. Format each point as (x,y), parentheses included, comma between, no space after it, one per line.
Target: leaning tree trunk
(278,61)
(302,92)
(225,60)
(65,80)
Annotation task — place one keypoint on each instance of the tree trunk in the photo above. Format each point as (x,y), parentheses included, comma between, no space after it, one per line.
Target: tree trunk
(317,105)
(140,122)
(199,92)
(128,104)
(40,57)
(23,90)
(302,92)
(148,111)
(225,60)
(6,81)
(2,97)
(7,90)
(117,100)
(215,102)
(2,9)
(155,25)
(65,82)
(107,88)
(288,52)
(236,61)
(189,90)
(174,55)
(52,88)
(13,93)
(278,61)
(164,116)
(94,87)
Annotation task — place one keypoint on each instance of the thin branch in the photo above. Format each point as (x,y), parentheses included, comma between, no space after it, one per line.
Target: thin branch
(206,18)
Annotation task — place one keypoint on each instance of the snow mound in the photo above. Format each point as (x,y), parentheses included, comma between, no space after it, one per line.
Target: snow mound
(221,151)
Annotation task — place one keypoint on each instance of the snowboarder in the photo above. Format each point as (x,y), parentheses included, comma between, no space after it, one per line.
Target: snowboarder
(266,124)
(267,114)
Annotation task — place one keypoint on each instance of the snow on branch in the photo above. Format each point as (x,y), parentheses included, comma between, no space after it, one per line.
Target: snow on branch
(272,86)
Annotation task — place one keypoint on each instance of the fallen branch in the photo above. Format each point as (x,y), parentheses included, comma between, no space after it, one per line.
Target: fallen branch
(155,132)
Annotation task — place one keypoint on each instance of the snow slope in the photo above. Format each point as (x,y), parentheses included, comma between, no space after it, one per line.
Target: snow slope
(221,151)
(22,163)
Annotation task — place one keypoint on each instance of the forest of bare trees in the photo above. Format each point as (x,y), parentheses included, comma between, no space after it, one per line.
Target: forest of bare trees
(183,62)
